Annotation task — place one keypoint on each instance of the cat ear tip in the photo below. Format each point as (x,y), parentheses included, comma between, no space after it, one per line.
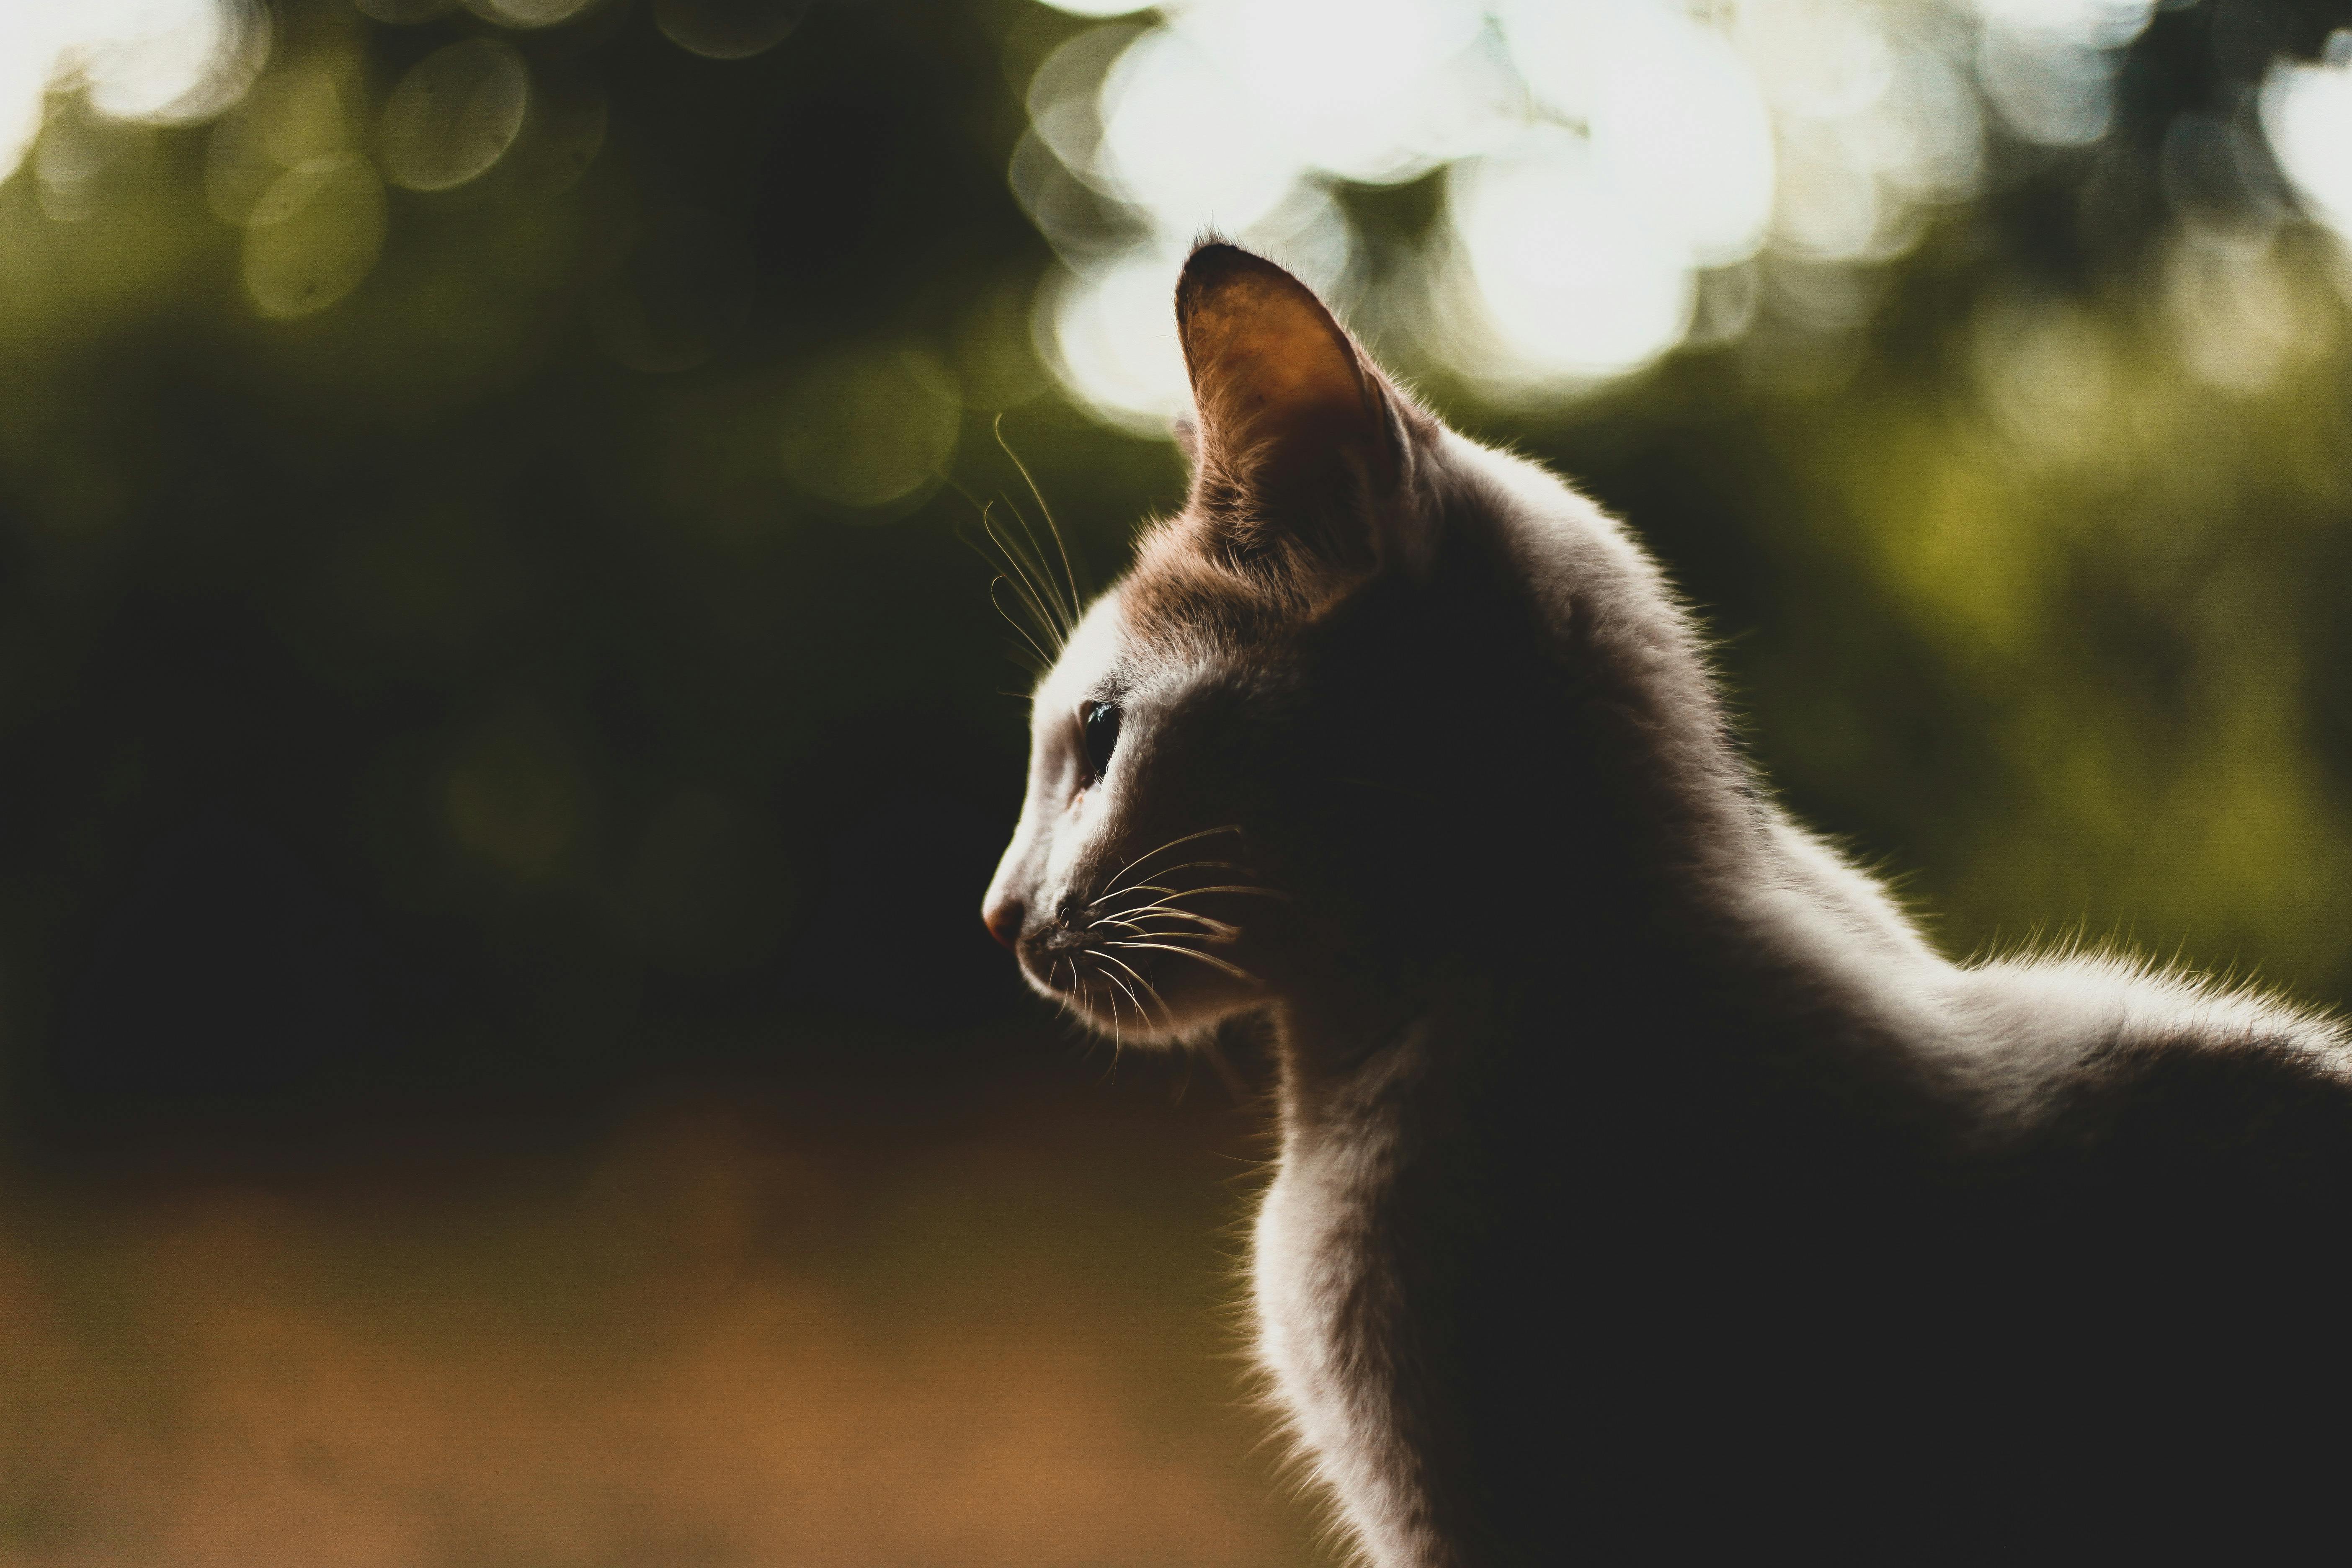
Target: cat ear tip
(1215,259)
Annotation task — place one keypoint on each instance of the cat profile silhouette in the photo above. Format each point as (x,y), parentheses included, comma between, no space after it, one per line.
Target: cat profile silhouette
(1647,1184)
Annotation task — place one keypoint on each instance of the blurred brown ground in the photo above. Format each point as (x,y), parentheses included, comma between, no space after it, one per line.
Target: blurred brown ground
(716,1334)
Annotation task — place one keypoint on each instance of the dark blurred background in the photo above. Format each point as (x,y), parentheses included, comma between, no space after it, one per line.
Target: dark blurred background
(502,735)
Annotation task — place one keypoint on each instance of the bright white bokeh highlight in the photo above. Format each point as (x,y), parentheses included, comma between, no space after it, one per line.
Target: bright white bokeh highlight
(1605,158)
(2307,116)
(1360,90)
(2095,24)
(1689,143)
(150,62)
(1110,336)
(1618,171)
(1184,138)
(1568,277)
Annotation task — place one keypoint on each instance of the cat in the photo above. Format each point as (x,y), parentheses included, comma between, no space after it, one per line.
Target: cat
(1647,1184)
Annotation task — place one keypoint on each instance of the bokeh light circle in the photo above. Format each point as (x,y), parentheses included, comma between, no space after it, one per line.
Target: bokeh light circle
(169,61)
(1110,334)
(872,428)
(454,114)
(402,12)
(527,13)
(287,120)
(1347,83)
(1572,281)
(1671,145)
(1187,142)
(314,237)
(1689,141)
(158,61)
(2306,111)
(728,30)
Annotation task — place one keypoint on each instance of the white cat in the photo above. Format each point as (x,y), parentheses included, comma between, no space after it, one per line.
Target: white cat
(1647,1184)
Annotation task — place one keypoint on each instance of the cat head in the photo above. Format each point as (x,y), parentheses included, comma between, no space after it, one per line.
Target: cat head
(1289,726)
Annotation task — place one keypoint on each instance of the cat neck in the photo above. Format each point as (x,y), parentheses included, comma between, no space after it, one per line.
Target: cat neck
(1770,949)
(1576,846)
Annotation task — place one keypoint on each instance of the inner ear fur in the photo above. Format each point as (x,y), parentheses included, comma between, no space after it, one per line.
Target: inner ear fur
(1299,442)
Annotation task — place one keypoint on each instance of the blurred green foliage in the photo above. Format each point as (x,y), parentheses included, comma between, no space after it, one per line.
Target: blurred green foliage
(552,662)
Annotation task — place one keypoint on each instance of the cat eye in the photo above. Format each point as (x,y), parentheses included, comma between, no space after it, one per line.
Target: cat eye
(1100,722)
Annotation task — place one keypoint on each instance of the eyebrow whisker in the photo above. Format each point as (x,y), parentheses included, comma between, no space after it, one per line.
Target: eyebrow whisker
(1069,575)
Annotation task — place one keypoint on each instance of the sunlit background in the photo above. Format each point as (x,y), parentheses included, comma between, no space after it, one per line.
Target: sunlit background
(1620,178)
(501,736)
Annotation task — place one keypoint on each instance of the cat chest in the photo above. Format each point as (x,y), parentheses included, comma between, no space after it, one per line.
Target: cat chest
(1324,1317)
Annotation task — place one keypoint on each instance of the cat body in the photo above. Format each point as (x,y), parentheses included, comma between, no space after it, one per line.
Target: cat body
(1647,1183)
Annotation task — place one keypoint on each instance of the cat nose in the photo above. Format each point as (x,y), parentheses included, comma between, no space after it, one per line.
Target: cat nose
(1002,917)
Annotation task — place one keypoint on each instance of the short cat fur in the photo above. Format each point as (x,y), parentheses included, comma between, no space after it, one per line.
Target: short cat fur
(1647,1184)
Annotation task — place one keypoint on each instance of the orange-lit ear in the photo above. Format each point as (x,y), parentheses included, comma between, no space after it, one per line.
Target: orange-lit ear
(1295,429)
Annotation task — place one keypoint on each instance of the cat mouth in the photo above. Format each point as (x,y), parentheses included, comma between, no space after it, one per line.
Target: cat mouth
(1134,986)
(1068,966)
(1053,960)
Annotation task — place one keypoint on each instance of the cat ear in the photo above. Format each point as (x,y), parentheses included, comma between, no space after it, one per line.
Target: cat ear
(1300,445)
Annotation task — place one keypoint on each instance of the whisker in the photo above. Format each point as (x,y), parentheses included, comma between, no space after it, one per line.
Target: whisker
(1200,926)
(1139,860)
(1168,908)
(1147,984)
(1165,904)
(1235,969)
(1123,986)
(1231,887)
(1220,927)
(1177,933)
(1166,871)
(1141,1012)
(1117,1038)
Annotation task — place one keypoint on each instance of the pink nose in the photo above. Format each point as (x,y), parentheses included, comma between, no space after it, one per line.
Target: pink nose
(1002,917)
